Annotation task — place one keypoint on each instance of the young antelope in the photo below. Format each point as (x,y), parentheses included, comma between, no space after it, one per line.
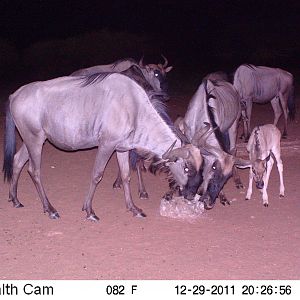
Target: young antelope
(263,147)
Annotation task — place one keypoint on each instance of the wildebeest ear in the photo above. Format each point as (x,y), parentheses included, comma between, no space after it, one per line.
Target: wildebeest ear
(168,69)
(179,123)
(242,163)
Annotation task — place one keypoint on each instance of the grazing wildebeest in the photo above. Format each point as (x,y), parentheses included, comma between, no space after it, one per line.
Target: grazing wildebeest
(218,105)
(155,74)
(261,85)
(263,147)
(108,111)
(148,76)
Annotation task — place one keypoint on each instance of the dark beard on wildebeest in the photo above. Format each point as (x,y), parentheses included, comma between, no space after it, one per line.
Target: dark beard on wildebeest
(214,187)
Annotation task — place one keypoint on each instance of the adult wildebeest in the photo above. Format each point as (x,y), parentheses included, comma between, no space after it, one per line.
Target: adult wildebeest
(108,111)
(215,103)
(263,147)
(155,74)
(264,84)
(149,74)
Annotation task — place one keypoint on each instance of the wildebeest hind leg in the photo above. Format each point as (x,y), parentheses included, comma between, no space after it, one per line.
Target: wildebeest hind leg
(123,160)
(20,159)
(34,170)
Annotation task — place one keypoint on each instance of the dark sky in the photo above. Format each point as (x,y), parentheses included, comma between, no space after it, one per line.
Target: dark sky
(191,27)
(27,21)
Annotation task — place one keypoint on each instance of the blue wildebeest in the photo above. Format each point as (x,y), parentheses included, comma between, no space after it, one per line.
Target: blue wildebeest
(108,111)
(155,74)
(149,74)
(263,147)
(215,103)
(261,85)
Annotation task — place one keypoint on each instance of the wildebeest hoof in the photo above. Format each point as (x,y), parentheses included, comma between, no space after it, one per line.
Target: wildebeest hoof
(92,218)
(207,207)
(140,215)
(225,201)
(239,185)
(167,196)
(117,185)
(247,199)
(54,215)
(281,196)
(266,204)
(18,205)
(137,212)
(143,195)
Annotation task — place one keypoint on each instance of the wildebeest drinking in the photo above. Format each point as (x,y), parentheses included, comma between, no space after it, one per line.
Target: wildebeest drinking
(108,111)
(215,103)
(147,75)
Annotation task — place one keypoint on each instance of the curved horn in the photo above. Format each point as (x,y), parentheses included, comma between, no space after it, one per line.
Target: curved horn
(179,152)
(184,139)
(211,150)
(199,139)
(141,63)
(165,61)
(167,153)
(172,155)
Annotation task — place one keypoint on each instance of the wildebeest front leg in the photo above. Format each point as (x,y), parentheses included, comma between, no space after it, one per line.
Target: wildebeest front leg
(266,182)
(249,191)
(123,160)
(102,158)
(142,190)
(223,199)
(20,159)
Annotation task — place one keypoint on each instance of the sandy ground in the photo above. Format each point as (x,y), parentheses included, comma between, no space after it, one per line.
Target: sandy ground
(242,241)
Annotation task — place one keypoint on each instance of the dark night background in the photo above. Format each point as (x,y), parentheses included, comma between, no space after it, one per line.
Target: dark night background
(49,38)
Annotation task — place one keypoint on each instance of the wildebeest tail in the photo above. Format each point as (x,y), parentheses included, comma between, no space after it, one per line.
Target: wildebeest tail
(9,145)
(291,104)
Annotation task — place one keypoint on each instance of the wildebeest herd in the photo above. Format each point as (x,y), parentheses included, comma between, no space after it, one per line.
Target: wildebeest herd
(121,108)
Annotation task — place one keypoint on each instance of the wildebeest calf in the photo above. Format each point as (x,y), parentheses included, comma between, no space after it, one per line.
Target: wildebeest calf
(263,147)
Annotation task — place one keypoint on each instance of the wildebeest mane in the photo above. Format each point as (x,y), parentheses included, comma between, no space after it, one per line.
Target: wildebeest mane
(94,78)
(123,59)
(222,138)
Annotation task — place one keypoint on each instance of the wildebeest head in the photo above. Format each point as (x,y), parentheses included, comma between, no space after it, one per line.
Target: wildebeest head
(217,168)
(184,163)
(217,171)
(181,164)
(259,168)
(156,74)
(191,164)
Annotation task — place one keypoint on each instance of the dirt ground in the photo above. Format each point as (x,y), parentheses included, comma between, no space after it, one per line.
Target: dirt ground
(242,241)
